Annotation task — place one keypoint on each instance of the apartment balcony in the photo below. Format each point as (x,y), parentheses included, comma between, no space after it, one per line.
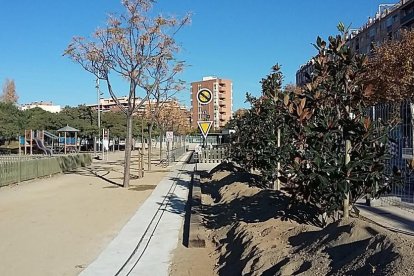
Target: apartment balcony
(222,111)
(222,96)
(222,89)
(222,103)
(222,118)
(406,20)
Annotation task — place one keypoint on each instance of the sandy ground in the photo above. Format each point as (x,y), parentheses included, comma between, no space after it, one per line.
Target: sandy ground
(256,231)
(58,225)
(192,261)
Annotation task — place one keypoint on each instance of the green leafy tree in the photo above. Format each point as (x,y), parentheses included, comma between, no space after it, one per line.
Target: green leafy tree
(254,145)
(115,122)
(316,122)
(11,121)
(39,119)
(81,117)
(328,112)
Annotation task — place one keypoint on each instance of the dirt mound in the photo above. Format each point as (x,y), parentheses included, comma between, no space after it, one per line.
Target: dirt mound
(257,232)
(226,167)
(224,178)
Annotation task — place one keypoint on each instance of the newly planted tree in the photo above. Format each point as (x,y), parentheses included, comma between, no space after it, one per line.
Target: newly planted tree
(316,123)
(330,113)
(254,145)
(128,46)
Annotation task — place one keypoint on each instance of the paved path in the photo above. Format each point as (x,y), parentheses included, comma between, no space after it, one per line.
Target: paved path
(144,245)
(393,218)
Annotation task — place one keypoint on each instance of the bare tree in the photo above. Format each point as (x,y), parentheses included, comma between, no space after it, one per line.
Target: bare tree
(162,85)
(172,117)
(9,92)
(129,44)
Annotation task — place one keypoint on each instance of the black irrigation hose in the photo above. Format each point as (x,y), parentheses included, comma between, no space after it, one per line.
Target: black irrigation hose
(170,191)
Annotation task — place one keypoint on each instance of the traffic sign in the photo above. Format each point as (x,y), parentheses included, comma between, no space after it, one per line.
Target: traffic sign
(204,127)
(204,96)
(169,136)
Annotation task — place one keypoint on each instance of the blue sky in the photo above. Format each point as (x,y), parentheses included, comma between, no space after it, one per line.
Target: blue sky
(232,39)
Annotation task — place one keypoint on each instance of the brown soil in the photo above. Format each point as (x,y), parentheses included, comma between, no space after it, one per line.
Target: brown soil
(254,231)
(58,225)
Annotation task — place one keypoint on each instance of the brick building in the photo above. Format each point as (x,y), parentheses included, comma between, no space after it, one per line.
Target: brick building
(220,109)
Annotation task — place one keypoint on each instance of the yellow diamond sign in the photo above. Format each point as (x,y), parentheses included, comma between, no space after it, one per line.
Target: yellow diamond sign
(204,126)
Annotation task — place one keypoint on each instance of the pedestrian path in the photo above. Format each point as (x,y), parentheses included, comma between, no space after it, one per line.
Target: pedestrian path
(145,244)
(391,217)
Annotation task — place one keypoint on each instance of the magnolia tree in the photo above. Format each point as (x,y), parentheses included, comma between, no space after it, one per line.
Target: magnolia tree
(254,145)
(331,153)
(339,154)
(129,47)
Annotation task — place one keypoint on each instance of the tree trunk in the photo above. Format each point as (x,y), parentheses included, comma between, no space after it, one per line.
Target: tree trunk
(141,152)
(128,145)
(346,206)
(161,136)
(150,145)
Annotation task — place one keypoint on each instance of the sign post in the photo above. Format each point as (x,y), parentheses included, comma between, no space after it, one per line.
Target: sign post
(169,137)
(204,127)
(204,97)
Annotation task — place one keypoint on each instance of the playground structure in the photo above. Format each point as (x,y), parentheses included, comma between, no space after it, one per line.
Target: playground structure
(41,141)
(34,142)
(69,142)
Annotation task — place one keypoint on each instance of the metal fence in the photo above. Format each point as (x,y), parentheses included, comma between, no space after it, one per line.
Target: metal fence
(176,153)
(401,150)
(15,168)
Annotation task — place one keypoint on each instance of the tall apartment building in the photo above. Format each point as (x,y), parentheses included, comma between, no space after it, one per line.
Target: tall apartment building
(172,105)
(385,25)
(220,109)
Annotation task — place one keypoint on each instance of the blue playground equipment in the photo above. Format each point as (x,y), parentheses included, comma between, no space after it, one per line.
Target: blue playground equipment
(34,142)
(68,143)
(47,143)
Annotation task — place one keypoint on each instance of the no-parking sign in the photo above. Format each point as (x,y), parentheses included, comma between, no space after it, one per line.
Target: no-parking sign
(204,96)
(169,136)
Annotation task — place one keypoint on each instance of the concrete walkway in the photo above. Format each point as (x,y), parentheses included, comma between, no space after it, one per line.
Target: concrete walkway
(393,218)
(144,245)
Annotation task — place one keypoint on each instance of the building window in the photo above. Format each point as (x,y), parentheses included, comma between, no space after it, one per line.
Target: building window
(388,22)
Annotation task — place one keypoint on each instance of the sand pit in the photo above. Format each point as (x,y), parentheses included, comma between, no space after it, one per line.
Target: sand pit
(254,231)
(58,225)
